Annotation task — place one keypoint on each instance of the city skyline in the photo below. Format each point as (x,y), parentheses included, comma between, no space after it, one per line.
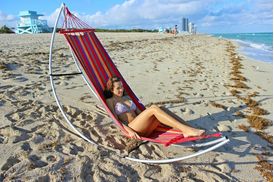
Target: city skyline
(210,16)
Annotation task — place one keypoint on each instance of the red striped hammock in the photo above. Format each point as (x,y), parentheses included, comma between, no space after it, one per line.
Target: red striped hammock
(99,67)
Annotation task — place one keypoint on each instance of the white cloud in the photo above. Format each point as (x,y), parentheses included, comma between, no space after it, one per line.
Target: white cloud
(206,14)
(143,13)
(149,12)
(52,17)
(247,16)
(9,20)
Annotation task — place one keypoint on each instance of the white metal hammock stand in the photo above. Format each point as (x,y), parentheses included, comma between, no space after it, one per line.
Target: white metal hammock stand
(216,143)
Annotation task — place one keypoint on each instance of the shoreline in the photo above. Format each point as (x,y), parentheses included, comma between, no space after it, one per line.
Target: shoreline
(206,73)
(245,46)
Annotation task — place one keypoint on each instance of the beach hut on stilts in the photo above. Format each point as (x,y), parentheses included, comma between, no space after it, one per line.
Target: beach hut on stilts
(31,24)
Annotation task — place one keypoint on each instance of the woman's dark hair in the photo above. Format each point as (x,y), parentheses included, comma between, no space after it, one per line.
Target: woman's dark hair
(109,86)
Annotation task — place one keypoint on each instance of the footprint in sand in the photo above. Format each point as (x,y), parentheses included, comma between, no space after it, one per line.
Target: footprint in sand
(36,162)
(51,158)
(38,138)
(26,147)
(72,111)
(152,172)
(23,137)
(21,79)
(11,161)
(74,149)
(86,168)
(86,99)
(3,139)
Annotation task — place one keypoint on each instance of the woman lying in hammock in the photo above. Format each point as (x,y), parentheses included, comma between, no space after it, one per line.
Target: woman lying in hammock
(140,123)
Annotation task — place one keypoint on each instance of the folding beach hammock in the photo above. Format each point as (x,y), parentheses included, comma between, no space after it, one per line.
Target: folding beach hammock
(96,67)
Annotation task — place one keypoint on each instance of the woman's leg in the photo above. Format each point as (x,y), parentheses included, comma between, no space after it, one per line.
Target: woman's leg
(144,121)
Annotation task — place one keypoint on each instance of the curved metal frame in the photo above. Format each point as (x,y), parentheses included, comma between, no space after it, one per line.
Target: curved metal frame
(163,161)
(219,142)
(52,83)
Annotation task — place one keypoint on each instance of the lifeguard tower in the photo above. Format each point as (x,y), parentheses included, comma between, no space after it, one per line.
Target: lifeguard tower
(160,30)
(30,24)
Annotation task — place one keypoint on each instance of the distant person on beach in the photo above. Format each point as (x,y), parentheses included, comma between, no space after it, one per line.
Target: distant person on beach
(175,30)
(140,123)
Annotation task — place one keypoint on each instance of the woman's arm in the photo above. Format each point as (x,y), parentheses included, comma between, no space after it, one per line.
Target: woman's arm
(111,107)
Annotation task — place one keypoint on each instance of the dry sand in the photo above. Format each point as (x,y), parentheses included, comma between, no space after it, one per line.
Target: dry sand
(207,73)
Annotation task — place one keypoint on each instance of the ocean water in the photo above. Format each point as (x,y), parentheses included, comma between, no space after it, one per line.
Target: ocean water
(258,46)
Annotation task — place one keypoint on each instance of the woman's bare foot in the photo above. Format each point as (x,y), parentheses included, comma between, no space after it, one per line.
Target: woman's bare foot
(194,133)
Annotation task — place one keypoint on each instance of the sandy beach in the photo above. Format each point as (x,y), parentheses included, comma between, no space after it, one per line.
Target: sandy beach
(215,86)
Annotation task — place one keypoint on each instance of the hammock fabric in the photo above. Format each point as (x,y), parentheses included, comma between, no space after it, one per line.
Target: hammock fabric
(99,67)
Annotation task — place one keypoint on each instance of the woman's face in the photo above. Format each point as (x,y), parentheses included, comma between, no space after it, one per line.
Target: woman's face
(118,89)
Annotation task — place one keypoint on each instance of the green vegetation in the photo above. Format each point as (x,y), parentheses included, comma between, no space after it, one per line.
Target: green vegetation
(5,29)
(124,30)
(119,30)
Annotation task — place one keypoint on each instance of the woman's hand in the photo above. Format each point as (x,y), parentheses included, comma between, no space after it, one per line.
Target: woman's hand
(132,133)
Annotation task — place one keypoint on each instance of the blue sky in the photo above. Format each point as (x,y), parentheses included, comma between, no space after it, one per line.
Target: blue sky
(210,16)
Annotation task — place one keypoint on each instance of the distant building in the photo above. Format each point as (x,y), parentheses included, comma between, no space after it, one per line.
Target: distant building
(30,24)
(184,24)
(191,27)
(188,27)
(195,29)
